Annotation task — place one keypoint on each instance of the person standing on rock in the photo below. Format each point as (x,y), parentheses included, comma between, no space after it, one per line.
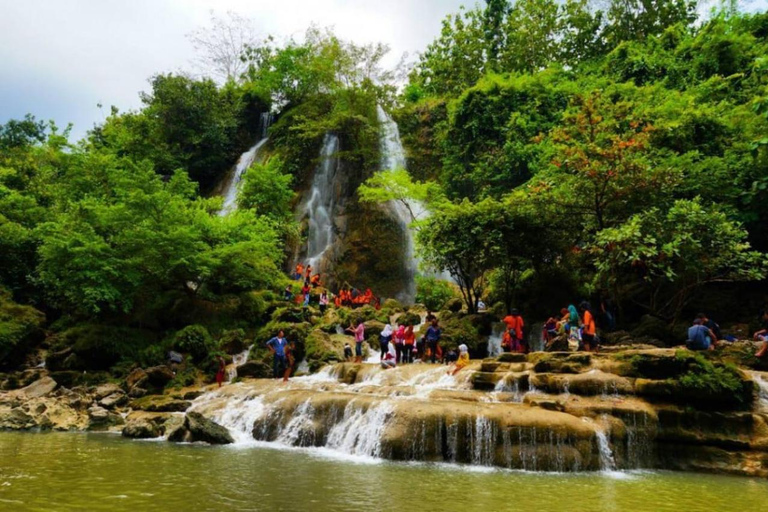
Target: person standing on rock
(433,339)
(290,358)
(399,340)
(589,333)
(384,340)
(277,346)
(409,341)
(222,370)
(515,327)
(359,332)
(323,302)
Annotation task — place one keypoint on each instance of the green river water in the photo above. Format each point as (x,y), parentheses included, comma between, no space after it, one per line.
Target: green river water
(63,472)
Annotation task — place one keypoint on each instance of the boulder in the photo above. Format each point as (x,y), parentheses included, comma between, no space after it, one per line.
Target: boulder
(160,403)
(39,388)
(558,344)
(454,305)
(100,418)
(137,392)
(373,328)
(16,419)
(136,378)
(191,395)
(159,376)
(105,390)
(197,427)
(141,428)
(114,400)
(174,428)
(254,369)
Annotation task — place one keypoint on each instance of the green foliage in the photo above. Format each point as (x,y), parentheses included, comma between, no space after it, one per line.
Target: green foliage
(99,346)
(712,384)
(266,190)
(194,340)
(433,292)
(17,323)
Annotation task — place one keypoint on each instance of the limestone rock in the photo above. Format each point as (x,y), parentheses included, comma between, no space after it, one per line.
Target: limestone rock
(114,400)
(159,376)
(141,429)
(137,392)
(105,390)
(136,378)
(101,419)
(160,403)
(39,388)
(254,369)
(197,427)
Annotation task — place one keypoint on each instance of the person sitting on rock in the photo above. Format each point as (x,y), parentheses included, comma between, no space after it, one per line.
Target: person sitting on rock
(462,361)
(711,325)
(347,352)
(390,358)
(277,346)
(762,335)
(700,337)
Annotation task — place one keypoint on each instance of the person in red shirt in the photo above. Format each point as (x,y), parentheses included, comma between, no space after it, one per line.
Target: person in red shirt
(589,332)
(515,325)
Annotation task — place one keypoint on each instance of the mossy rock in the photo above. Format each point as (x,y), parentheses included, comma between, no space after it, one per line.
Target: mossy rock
(393,306)
(256,306)
(409,318)
(459,330)
(373,329)
(160,403)
(454,305)
(512,357)
(289,314)
(322,348)
(330,321)
(233,341)
(553,363)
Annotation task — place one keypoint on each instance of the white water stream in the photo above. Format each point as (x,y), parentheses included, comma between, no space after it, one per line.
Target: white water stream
(229,187)
(320,206)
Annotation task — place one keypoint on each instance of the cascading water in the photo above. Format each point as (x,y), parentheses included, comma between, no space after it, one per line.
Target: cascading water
(231,183)
(319,208)
(761,379)
(237,360)
(494,340)
(393,158)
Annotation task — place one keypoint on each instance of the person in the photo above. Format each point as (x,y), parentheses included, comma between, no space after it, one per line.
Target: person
(408,344)
(347,352)
(277,346)
(451,357)
(515,326)
(299,272)
(433,339)
(290,359)
(288,293)
(359,332)
(574,322)
(589,333)
(399,339)
(550,329)
(308,272)
(481,306)
(700,337)
(384,338)
(305,292)
(462,361)
(222,370)
(762,335)
(323,302)
(390,358)
(711,325)
(315,281)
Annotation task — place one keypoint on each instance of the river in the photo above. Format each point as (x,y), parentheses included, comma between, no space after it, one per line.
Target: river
(66,472)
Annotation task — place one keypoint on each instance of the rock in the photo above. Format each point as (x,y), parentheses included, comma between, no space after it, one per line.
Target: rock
(160,403)
(393,305)
(233,341)
(114,400)
(16,419)
(105,390)
(137,392)
(373,328)
(254,369)
(159,376)
(101,419)
(512,357)
(136,378)
(175,428)
(191,395)
(454,305)
(141,429)
(39,388)
(206,430)
(558,344)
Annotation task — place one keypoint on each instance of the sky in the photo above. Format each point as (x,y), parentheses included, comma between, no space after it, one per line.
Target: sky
(59,59)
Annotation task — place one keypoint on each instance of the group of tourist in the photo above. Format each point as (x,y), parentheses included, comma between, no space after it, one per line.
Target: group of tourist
(577,324)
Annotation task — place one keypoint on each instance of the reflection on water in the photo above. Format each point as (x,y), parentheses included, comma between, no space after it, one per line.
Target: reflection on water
(66,472)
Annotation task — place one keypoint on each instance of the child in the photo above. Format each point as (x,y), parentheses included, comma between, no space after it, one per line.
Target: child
(347,352)
(389,360)
(462,361)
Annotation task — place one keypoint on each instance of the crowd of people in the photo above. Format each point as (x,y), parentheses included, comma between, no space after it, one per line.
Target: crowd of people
(578,325)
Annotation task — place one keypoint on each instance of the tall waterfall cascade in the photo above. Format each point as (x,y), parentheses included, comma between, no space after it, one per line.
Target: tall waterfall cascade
(319,207)
(230,185)
(393,158)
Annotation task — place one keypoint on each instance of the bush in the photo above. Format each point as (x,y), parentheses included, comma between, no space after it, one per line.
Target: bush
(17,323)
(99,347)
(712,384)
(233,341)
(195,340)
(433,293)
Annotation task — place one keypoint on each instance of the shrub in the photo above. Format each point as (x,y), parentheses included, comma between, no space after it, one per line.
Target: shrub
(195,340)
(433,293)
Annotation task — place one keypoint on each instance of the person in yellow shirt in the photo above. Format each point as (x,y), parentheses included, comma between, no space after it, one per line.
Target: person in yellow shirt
(462,361)
(589,332)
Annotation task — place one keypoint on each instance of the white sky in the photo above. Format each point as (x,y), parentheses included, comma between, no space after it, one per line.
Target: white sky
(60,58)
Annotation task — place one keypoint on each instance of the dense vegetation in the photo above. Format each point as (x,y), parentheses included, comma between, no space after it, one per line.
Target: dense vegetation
(613,154)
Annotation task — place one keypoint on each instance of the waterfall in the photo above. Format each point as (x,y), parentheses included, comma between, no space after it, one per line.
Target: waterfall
(237,360)
(393,158)
(494,340)
(320,206)
(761,379)
(230,184)
(360,430)
(607,461)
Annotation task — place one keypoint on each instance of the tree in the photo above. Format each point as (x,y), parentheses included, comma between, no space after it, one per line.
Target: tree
(673,254)
(266,190)
(532,33)
(223,45)
(464,239)
(636,20)
(601,166)
(397,186)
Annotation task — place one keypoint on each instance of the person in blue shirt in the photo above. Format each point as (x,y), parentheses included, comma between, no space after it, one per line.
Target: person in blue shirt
(277,346)
(700,337)
(433,339)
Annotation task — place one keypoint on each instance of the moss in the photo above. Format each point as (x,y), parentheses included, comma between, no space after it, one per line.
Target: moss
(195,340)
(322,348)
(712,384)
(99,347)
